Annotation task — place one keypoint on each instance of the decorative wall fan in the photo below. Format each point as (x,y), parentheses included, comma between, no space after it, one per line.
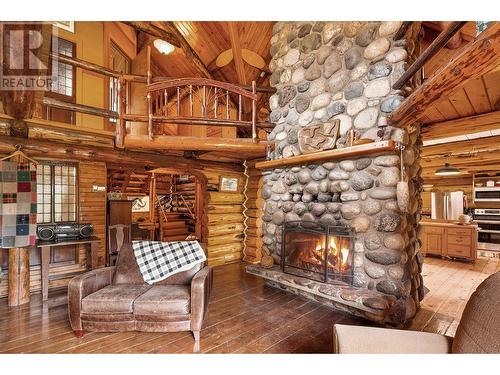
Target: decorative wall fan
(250,57)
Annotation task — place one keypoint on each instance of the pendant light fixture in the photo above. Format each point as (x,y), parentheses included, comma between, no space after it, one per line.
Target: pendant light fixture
(447,170)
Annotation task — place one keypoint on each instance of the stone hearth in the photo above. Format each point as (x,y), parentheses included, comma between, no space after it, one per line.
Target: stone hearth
(333,82)
(365,303)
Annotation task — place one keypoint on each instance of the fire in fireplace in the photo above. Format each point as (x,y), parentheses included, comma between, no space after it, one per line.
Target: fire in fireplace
(318,252)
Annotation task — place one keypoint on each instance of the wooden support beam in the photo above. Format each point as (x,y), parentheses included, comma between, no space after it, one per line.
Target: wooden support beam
(148,28)
(234,37)
(477,58)
(19,276)
(434,48)
(161,143)
(402,30)
(461,146)
(58,150)
(461,126)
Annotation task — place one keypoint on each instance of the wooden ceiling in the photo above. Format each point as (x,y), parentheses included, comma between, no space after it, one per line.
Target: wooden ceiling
(477,96)
(471,108)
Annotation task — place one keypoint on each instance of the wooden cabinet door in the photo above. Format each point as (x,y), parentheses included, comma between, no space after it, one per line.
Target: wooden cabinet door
(434,243)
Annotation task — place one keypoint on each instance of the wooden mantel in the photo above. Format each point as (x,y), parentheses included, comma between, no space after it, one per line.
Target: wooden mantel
(330,155)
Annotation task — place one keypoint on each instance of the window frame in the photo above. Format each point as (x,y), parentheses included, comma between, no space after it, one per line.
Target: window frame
(52,165)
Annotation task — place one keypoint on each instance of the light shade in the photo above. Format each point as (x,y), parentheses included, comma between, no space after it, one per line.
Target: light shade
(163,46)
(447,170)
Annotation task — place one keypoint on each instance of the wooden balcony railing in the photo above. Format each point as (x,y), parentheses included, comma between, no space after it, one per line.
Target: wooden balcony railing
(183,101)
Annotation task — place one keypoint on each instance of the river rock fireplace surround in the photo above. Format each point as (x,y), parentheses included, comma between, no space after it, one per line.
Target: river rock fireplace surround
(334,86)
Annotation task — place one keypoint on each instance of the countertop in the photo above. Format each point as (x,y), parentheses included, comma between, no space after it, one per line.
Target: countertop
(447,223)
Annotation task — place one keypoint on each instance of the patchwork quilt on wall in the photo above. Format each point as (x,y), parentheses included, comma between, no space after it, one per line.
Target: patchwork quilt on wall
(17,204)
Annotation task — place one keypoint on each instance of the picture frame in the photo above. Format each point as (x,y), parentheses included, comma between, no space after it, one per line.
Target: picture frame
(228,184)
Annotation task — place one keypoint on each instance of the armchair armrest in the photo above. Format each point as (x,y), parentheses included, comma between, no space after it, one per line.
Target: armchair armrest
(81,286)
(201,287)
(370,340)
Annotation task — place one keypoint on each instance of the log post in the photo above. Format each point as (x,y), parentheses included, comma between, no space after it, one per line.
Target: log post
(254,114)
(19,276)
(121,125)
(149,99)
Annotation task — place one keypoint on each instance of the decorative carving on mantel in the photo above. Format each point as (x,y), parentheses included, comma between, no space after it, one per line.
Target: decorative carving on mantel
(318,137)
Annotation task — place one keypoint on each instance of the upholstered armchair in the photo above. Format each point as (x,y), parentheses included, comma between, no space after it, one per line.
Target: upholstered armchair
(478,331)
(116,299)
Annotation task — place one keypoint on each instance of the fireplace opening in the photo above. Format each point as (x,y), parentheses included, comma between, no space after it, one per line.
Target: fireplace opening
(318,252)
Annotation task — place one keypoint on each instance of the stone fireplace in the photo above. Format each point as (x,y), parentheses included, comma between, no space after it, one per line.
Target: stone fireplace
(334,90)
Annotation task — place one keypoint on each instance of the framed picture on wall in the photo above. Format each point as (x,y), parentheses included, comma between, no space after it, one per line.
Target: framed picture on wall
(228,184)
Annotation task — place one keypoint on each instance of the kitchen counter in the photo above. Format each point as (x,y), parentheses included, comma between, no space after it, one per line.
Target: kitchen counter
(448,238)
(448,223)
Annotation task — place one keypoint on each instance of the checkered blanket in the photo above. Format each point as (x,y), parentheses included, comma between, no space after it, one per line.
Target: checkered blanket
(18,208)
(159,260)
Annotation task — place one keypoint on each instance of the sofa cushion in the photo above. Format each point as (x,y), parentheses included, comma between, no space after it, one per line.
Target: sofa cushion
(114,299)
(164,299)
(479,328)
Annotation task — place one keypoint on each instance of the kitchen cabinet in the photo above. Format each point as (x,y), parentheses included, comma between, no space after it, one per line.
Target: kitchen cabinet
(448,239)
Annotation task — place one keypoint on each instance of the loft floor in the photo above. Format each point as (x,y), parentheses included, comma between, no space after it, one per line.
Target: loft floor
(245,316)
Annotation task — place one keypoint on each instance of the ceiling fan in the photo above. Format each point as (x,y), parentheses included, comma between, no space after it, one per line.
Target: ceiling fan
(250,57)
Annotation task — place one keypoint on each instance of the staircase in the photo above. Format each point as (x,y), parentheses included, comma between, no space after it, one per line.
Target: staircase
(175,228)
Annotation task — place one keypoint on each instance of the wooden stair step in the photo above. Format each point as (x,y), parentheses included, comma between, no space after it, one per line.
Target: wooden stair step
(175,231)
(181,237)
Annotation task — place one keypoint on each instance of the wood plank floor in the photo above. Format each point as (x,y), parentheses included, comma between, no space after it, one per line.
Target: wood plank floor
(245,316)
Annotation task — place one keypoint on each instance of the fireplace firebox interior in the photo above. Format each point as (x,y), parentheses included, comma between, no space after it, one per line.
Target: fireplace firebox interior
(319,252)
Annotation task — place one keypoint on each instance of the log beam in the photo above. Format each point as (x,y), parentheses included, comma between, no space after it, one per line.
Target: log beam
(182,143)
(477,58)
(432,50)
(461,126)
(57,150)
(148,28)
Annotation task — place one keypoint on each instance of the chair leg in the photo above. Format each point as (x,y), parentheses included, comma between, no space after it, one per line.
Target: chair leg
(79,333)
(196,335)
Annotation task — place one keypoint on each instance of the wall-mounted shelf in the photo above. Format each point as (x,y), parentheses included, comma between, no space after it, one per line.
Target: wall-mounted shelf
(330,155)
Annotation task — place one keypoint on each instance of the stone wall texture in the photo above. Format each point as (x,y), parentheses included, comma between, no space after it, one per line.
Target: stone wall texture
(325,71)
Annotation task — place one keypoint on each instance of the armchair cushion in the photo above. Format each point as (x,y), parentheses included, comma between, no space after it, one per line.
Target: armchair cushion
(370,340)
(479,328)
(164,299)
(113,299)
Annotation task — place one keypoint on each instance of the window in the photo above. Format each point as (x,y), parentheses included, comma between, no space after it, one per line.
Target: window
(119,62)
(57,193)
(63,85)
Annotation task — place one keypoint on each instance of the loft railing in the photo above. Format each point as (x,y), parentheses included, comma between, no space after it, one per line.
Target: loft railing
(208,102)
(195,101)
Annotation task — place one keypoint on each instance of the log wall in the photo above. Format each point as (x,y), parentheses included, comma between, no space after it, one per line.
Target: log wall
(225,220)
(254,204)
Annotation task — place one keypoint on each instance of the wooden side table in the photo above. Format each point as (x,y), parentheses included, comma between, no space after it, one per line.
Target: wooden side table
(45,246)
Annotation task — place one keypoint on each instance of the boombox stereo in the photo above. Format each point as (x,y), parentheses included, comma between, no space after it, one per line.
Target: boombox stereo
(61,232)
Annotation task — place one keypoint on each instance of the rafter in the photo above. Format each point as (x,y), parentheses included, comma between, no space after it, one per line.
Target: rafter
(234,37)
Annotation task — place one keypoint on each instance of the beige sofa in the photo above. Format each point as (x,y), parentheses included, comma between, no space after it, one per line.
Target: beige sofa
(478,331)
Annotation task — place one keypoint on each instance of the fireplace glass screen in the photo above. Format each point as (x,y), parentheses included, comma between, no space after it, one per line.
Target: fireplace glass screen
(318,252)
